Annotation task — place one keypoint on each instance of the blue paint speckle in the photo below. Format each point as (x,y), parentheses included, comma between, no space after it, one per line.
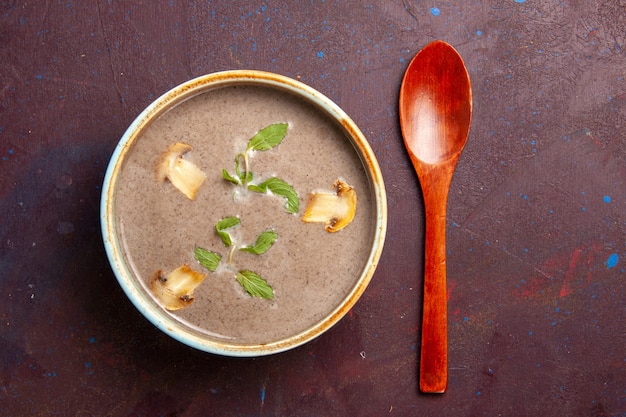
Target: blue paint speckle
(262,395)
(92,340)
(320,54)
(435,11)
(607,199)
(88,366)
(520,1)
(479,33)
(612,261)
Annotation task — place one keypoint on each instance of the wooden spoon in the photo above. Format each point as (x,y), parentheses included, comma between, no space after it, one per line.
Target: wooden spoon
(435,115)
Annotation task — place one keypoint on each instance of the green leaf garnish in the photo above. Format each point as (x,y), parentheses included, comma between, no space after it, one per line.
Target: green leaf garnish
(281,188)
(268,137)
(209,260)
(265,139)
(254,285)
(228,177)
(240,177)
(262,244)
(222,225)
(245,176)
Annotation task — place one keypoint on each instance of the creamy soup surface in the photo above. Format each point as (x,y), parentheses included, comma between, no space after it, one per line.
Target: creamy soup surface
(309,269)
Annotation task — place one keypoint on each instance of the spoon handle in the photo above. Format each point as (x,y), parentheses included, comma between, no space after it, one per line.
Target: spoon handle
(434,350)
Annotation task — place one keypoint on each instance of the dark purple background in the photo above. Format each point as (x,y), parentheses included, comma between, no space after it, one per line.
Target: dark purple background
(536,233)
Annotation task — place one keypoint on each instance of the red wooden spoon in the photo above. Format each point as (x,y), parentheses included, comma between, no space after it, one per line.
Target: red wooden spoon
(435,116)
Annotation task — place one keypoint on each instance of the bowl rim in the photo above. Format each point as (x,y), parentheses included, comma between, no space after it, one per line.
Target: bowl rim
(136,292)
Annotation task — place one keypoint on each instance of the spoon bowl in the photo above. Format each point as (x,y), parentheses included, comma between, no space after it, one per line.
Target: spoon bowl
(435,116)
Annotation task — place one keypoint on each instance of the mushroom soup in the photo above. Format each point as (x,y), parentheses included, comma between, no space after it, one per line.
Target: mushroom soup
(309,269)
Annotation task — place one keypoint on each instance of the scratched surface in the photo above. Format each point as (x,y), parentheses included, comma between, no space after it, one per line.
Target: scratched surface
(537,210)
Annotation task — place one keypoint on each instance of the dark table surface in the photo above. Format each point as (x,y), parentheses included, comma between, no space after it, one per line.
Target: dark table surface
(536,214)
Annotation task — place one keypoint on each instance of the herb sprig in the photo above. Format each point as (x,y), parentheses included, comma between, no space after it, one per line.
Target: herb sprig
(209,260)
(279,187)
(252,282)
(262,244)
(266,139)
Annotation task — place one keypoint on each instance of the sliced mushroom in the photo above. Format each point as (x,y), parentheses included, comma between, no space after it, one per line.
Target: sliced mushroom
(181,172)
(336,211)
(175,290)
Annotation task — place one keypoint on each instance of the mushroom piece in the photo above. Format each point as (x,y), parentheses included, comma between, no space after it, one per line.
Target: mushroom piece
(335,210)
(175,290)
(181,172)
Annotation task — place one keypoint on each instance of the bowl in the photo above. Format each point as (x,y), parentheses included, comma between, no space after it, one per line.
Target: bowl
(219,206)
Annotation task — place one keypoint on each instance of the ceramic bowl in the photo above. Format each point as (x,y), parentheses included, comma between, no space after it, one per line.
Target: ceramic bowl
(150,227)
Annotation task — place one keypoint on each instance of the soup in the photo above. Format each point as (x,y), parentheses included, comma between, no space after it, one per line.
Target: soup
(310,270)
